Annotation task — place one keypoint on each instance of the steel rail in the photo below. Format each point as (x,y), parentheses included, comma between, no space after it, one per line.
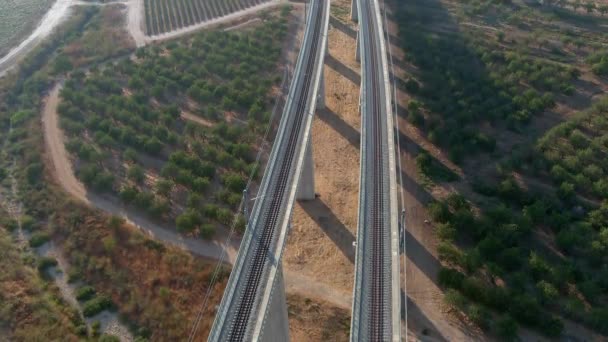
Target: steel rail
(243,310)
(376,306)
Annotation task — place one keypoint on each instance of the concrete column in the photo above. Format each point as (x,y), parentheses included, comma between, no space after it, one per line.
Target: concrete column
(276,328)
(306,188)
(357,50)
(321,93)
(354,12)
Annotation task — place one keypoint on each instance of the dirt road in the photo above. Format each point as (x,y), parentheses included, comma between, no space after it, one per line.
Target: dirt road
(135,21)
(64,175)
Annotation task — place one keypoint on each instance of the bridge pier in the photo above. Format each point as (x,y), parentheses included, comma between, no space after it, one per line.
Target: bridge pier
(306,188)
(354,14)
(276,327)
(357,50)
(321,94)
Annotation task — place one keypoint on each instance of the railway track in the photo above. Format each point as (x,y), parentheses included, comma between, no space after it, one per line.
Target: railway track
(376,315)
(271,215)
(377,322)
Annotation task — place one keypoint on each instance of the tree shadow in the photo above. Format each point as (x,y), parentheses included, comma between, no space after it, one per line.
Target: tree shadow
(342,69)
(455,86)
(339,125)
(344,28)
(332,226)
(580,20)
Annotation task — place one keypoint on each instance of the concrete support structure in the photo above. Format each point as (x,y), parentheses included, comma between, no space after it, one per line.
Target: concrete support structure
(357,49)
(321,94)
(253,306)
(354,14)
(276,327)
(306,188)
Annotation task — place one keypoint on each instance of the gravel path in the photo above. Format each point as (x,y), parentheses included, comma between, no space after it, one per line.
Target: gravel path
(135,22)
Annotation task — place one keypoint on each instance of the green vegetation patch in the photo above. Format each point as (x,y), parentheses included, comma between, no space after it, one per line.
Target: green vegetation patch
(131,127)
(45,263)
(96,305)
(85,293)
(471,83)
(434,170)
(38,239)
(28,312)
(529,248)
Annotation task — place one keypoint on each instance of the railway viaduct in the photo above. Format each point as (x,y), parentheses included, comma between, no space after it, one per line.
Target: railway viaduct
(253,307)
(376,311)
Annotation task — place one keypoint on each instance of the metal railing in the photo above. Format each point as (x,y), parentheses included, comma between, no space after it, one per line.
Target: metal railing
(376,293)
(250,245)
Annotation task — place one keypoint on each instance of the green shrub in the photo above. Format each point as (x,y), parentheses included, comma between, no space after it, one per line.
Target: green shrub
(82,330)
(96,305)
(74,275)
(28,222)
(9,223)
(45,263)
(95,328)
(207,231)
(479,315)
(225,216)
(108,338)
(552,326)
(85,293)
(450,278)
(38,239)
(188,220)
(506,328)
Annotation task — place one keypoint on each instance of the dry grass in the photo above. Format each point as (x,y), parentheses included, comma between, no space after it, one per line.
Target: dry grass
(316,321)
(157,288)
(105,37)
(30,308)
(320,244)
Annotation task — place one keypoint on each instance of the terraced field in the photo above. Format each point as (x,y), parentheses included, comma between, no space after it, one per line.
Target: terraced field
(168,15)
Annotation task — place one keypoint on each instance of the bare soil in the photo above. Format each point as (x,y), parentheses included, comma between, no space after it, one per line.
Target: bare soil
(320,244)
(316,321)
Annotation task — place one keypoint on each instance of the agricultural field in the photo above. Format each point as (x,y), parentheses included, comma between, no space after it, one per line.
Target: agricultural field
(503,100)
(17,19)
(168,15)
(173,138)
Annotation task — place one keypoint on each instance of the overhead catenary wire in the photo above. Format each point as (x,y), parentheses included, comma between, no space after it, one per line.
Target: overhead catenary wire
(243,203)
(400,170)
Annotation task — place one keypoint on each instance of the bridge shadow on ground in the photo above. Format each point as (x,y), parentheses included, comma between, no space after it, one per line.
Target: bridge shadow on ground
(339,125)
(418,323)
(343,27)
(421,257)
(342,69)
(332,226)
